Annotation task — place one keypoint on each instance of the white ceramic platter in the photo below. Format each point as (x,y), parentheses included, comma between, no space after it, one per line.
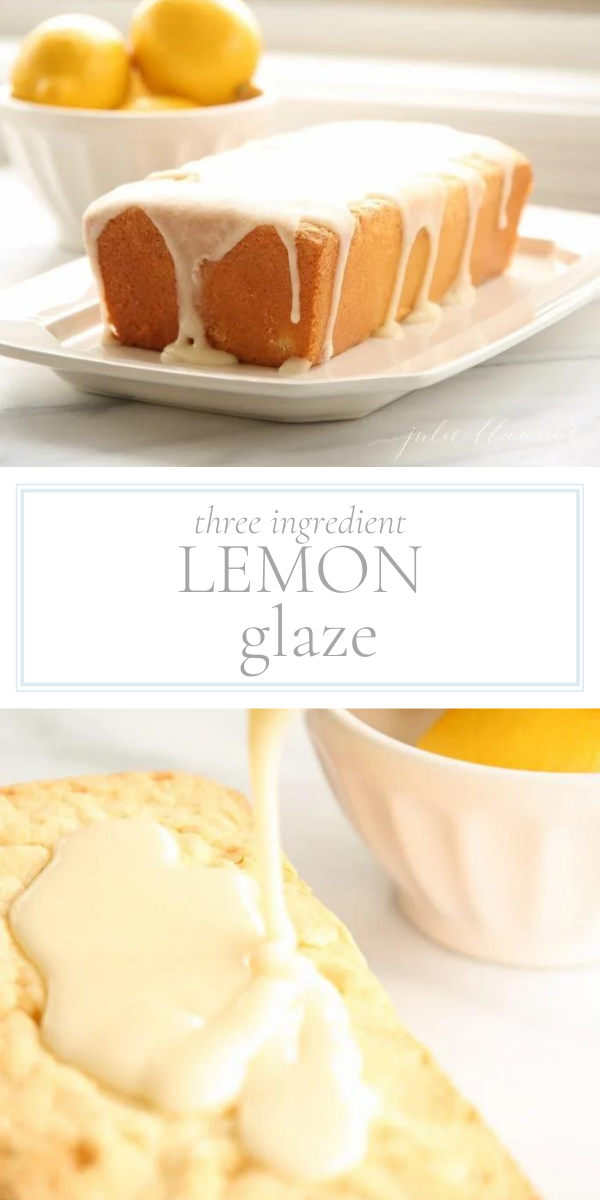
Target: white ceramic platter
(54,320)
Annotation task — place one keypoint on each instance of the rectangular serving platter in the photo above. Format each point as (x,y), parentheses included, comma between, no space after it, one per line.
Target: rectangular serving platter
(54,320)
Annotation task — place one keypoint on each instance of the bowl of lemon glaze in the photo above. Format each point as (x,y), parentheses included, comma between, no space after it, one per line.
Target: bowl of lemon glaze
(87,109)
(497,862)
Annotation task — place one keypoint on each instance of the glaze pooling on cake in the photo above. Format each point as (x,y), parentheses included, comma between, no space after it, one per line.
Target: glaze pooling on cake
(185,985)
(425,1140)
(317,176)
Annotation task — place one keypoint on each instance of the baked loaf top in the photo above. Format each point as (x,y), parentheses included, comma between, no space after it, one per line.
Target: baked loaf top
(63,1136)
(317,177)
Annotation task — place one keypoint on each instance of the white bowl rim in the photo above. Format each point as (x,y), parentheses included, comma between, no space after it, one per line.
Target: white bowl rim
(345,716)
(10,103)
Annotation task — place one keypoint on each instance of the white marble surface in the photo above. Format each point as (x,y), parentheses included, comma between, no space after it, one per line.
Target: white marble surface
(536,405)
(525,1046)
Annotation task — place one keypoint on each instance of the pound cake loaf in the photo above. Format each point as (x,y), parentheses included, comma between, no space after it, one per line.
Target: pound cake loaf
(294,248)
(65,1136)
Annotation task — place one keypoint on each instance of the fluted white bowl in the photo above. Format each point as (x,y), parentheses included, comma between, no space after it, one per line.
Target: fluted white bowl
(70,156)
(498,864)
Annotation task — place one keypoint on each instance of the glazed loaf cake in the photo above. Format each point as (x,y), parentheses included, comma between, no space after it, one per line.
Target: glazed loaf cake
(301,246)
(64,1136)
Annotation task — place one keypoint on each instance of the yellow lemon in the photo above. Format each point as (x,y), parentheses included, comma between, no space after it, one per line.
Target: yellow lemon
(75,61)
(151,103)
(202,49)
(536,739)
(135,87)
(139,99)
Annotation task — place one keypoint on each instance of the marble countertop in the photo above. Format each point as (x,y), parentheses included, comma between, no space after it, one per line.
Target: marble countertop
(536,405)
(524,1045)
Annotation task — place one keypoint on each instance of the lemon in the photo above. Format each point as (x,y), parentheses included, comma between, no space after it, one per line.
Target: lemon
(535,739)
(201,49)
(135,87)
(75,61)
(139,99)
(151,103)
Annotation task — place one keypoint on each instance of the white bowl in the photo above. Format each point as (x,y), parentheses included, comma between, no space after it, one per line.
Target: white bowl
(70,156)
(498,864)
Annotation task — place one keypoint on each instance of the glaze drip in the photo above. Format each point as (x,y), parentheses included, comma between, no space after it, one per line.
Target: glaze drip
(182,983)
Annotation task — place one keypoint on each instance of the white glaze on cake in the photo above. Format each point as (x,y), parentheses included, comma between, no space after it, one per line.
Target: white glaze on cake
(317,176)
(183,984)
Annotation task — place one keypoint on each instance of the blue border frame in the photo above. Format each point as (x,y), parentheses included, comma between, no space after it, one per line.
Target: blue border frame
(22,490)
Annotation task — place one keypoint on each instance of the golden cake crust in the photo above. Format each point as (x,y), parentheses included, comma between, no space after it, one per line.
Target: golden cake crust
(245,299)
(63,1136)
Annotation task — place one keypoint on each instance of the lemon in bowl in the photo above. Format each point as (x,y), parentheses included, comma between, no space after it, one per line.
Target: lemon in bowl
(140,99)
(487,821)
(152,103)
(72,61)
(79,118)
(202,49)
(525,739)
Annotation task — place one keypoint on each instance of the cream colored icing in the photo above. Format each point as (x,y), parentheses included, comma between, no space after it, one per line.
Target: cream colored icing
(295,366)
(317,175)
(182,984)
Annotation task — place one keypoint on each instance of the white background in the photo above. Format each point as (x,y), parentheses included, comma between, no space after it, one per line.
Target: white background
(495,604)
(523,1045)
